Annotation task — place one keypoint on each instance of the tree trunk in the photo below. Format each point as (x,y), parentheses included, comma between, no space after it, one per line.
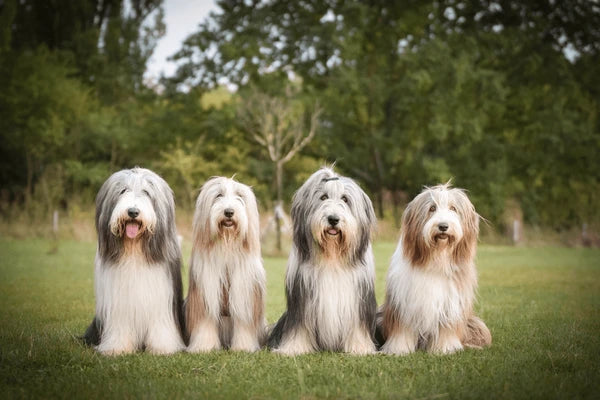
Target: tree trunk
(29,187)
(279,203)
(379,200)
(396,201)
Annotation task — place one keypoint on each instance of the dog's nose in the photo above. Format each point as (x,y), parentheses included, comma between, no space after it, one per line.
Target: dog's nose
(443,227)
(133,212)
(333,220)
(228,212)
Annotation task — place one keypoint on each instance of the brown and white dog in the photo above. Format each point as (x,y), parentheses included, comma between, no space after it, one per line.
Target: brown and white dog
(432,280)
(225,304)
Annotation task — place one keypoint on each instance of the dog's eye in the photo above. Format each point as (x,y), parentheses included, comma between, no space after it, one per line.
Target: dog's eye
(324,197)
(146,192)
(432,209)
(123,191)
(219,195)
(345,199)
(452,208)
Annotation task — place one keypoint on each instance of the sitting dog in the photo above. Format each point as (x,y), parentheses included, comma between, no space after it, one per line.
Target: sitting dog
(138,267)
(329,282)
(432,278)
(225,305)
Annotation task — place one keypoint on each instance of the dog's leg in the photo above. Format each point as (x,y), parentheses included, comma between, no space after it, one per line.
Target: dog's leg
(164,338)
(447,341)
(359,342)
(205,336)
(245,336)
(401,340)
(117,341)
(296,342)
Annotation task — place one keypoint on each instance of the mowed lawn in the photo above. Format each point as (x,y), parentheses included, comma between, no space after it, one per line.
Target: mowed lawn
(542,306)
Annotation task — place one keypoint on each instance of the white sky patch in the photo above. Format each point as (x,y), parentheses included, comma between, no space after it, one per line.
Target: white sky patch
(328,17)
(182,18)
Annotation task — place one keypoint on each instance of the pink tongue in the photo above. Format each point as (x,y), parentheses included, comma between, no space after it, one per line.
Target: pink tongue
(131,229)
(332,231)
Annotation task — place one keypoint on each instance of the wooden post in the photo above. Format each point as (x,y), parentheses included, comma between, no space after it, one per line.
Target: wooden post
(54,245)
(516,231)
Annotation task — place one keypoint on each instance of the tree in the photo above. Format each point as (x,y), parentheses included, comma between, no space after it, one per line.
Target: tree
(277,125)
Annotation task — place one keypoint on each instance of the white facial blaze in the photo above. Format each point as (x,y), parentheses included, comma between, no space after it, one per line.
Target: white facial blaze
(133,198)
(226,195)
(333,201)
(444,214)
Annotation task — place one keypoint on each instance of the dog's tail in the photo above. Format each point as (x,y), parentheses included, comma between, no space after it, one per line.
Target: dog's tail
(478,335)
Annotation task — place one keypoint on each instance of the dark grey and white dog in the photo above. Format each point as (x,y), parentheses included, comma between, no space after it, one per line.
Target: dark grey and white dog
(137,268)
(330,275)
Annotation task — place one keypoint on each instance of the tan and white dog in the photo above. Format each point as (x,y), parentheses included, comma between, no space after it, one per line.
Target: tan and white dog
(432,280)
(225,304)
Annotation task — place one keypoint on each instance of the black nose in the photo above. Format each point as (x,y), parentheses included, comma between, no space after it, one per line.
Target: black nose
(443,227)
(133,212)
(228,212)
(333,220)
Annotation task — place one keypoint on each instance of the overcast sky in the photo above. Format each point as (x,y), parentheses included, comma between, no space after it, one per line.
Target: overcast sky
(181,18)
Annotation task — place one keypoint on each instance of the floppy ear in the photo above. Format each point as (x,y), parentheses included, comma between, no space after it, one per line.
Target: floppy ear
(301,210)
(109,245)
(367,223)
(465,249)
(299,213)
(413,245)
(252,239)
(201,222)
(162,243)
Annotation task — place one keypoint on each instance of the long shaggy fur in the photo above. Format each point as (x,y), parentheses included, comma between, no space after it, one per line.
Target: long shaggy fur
(329,283)
(137,267)
(432,279)
(225,304)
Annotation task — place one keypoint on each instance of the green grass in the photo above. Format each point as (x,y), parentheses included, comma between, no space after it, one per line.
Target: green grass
(542,306)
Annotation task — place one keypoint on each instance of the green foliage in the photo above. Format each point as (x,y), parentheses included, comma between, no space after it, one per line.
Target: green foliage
(501,97)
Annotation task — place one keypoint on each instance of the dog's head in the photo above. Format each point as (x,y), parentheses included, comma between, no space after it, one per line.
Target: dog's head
(440,217)
(226,209)
(134,206)
(333,213)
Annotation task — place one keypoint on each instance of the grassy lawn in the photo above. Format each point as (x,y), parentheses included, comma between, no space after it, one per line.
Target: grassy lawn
(542,306)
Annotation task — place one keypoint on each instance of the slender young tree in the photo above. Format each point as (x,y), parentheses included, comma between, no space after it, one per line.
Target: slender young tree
(277,125)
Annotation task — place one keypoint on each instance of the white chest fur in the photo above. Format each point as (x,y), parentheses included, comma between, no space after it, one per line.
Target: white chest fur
(425,296)
(335,304)
(132,297)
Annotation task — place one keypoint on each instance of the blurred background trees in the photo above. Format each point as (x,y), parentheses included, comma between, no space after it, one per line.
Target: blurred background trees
(501,96)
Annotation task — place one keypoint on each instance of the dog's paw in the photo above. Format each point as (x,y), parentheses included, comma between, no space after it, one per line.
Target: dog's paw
(204,347)
(398,349)
(288,351)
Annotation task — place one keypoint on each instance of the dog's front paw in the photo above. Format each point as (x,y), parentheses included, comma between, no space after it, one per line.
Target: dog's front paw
(289,351)
(249,347)
(447,343)
(398,349)
(203,346)
(165,349)
(362,350)
(400,343)
(116,350)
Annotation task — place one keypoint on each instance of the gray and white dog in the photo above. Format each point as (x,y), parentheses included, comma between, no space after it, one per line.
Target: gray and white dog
(137,277)
(330,275)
